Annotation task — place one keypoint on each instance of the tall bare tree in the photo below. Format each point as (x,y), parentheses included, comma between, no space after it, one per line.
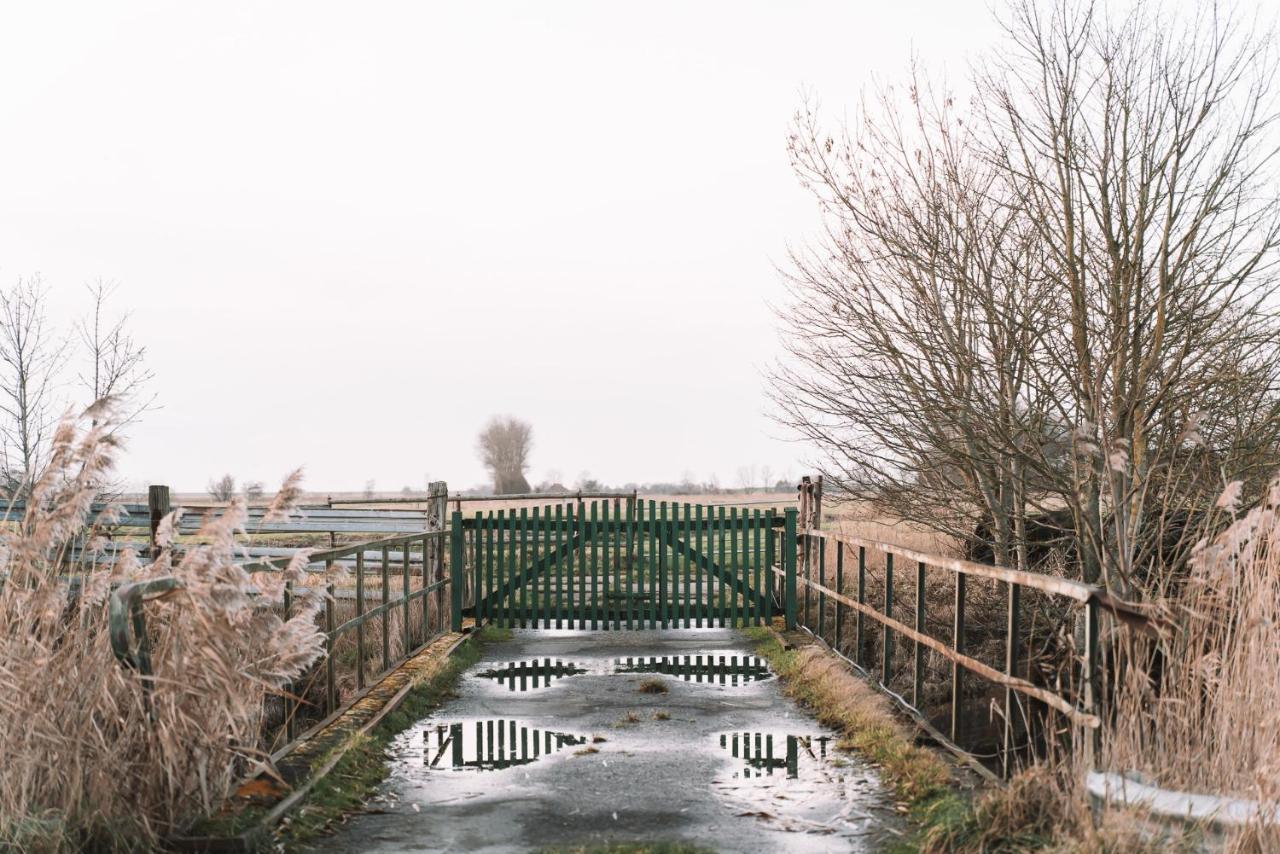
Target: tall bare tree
(504,446)
(1142,149)
(914,317)
(32,356)
(1059,297)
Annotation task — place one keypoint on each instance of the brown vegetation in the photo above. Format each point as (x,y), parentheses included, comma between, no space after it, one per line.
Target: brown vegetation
(95,754)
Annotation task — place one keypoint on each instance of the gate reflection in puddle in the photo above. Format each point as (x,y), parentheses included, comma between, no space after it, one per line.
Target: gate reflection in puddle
(763,757)
(721,670)
(491,745)
(524,675)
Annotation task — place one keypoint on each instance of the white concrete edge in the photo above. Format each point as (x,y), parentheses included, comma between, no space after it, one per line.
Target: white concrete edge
(1121,790)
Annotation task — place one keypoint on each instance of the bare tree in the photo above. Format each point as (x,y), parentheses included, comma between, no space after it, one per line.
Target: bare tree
(116,366)
(369,488)
(914,316)
(1057,301)
(504,446)
(222,489)
(1143,152)
(32,356)
(254,491)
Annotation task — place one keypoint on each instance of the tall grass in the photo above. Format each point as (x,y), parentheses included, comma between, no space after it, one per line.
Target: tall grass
(1199,709)
(90,758)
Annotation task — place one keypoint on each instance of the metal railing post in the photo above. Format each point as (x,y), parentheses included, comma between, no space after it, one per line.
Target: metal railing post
(886,663)
(1010,668)
(957,643)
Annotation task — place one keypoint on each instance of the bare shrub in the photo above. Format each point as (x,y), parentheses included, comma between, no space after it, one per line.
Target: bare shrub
(96,755)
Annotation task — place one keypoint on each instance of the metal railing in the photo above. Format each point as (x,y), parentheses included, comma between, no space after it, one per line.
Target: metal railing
(396,561)
(821,604)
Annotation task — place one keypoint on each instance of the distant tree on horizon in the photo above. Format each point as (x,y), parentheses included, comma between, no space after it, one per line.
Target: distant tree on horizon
(504,446)
(222,489)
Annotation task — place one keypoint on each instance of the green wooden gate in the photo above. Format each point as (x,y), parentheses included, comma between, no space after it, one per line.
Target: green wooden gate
(621,565)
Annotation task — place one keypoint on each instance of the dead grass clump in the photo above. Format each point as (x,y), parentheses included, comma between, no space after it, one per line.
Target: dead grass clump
(662,716)
(586,751)
(653,686)
(95,755)
(629,719)
(1026,814)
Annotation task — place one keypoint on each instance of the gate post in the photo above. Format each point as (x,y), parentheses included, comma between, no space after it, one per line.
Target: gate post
(456,572)
(433,556)
(789,567)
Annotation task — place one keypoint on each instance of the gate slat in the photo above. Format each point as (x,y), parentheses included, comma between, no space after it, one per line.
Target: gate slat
(685,569)
(734,568)
(755,551)
(488,569)
(581,609)
(546,573)
(559,566)
(769,577)
(519,567)
(477,569)
(595,566)
(720,542)
(535,538)
(703,604)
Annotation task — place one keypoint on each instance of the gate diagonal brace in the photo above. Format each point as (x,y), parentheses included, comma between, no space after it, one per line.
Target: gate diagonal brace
(707,565)
(527,574)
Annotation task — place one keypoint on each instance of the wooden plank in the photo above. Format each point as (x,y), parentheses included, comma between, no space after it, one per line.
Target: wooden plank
(535,546)
(701,601)
(1076,590)
(560,559)
(735,569)
(595,567)
(721,552)
(548,545)
(523,562)
(631,560)
(768,580)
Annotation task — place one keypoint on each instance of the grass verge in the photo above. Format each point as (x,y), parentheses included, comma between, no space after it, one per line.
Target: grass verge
(918,778)
(347,787)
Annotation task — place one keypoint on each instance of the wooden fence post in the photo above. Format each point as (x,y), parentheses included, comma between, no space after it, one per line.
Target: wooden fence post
(433,557)
(158,506)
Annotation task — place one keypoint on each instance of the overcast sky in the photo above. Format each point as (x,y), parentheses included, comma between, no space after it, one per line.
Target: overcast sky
(350,233)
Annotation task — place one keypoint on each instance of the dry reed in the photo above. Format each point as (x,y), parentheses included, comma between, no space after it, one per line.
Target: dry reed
(91,758)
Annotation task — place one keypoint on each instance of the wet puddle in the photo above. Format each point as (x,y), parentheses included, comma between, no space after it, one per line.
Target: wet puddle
(762,757)
(798,783)
(527,675)
(489,745)
(731,670)
(725,670)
